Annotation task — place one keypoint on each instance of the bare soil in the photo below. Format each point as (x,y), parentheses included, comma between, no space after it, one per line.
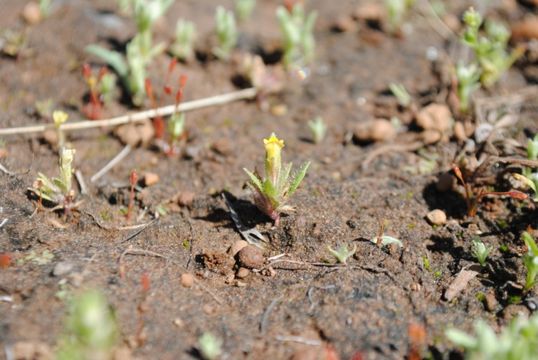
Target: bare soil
(366,306)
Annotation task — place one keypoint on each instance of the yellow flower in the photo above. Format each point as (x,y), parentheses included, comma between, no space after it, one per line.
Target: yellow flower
(59,117)
(273,148)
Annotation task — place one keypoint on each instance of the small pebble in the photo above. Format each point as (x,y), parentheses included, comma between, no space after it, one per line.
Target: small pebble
(431,136)
(279,110)
(459,131)
(62,268)
(251,257)
(223,147)
(150,179)
(31,13)
(237,246)
(187,280)
(435,117)
(185,198)
(491,302)
(436,217)
(344,24)
(242,273)
(376,130)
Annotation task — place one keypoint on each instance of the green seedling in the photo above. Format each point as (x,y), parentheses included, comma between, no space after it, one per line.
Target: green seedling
(244,8)
(101,90)
(528,177)
(530,260)
(297,32)
(90,330)
(183,45)
(210,346)
(44,8)
(468,81)
(59,117)
(131,68)
(490,48)
(342,253)
(318,129)
(473,197)
(518,340)
(58,190)
(227,34)
(396,12)
(480,251)
(274,189)
(401,94)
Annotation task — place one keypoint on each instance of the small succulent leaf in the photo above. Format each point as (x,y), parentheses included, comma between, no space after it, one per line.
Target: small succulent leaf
(269,190)
(530,242)
(254,180)
(299,176)
(283,178)
(387,240)
(112,58)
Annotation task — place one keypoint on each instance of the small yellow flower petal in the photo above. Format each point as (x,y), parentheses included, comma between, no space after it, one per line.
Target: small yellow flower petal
(273,140)
(59,117)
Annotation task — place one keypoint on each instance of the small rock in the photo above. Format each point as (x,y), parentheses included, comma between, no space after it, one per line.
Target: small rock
(51,138)
(178,322)
(150,179)
(237,246)
(436,217)
(435,117)
(459,132)
(376,130)
(76,279)
(192,152)
(279,110)
(62,268)
(208,309)
(222,146)
(491,302)
(250,257)
(344,24)
(31,13)
(431,136)
(185,198)
(242,273)
(445,182)
(513,310)
(187,280)
(136,134)
(525,29)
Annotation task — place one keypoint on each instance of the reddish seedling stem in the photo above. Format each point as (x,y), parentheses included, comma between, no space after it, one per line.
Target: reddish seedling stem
(93,109)
(133,179)
(158,121)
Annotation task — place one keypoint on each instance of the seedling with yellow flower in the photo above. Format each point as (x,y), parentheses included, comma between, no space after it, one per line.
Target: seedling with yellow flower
(273,190)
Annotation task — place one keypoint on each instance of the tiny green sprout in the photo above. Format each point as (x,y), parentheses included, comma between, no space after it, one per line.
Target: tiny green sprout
(44,8)
(183,45)
(396,11)
(532,148)
(297,31)
(403,97)
(490,48)
(244,8)
(480,251)
(107,87)
(176,126)
(91,331)
(131,68)
(210,346)
(518,340)
(385,240)
(342,253)
(227,34)
(468,81)
(57,190)
(274,189)
(530,260)
(59,117)
(318,129)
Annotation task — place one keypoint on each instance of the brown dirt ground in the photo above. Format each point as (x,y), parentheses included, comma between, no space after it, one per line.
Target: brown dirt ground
(366,306)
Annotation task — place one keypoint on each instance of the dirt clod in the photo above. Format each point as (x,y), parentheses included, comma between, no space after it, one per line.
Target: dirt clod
(150,179)
(242,273)
(436,217)
(250,257)
(187,280)
(435,117)
(373,131)
(445,182)
(237,246)
(491,302)
(31,13)
(185,198)
(62,268)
